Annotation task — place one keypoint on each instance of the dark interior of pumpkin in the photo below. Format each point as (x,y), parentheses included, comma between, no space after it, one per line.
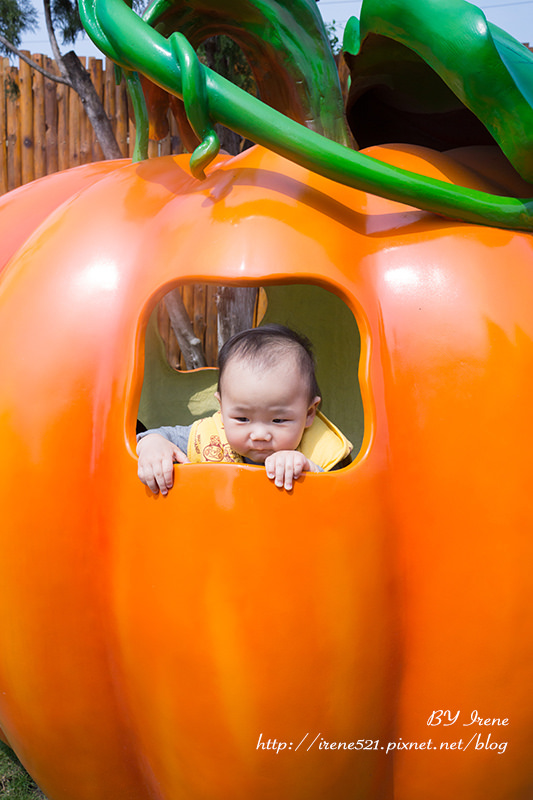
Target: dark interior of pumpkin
(172,397)
(396,97)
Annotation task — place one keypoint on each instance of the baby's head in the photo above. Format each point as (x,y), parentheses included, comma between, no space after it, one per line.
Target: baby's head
(269,345)
(267,390)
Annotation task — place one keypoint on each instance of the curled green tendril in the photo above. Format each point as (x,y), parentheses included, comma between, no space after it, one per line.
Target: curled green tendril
(196,104)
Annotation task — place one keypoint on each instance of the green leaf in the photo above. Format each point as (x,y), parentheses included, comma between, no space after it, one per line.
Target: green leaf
(480,66)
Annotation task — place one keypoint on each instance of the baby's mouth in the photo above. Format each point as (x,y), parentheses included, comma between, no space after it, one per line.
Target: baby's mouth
(259,453)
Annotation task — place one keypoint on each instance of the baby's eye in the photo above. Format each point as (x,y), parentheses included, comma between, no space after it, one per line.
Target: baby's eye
(279,421)
(241,419)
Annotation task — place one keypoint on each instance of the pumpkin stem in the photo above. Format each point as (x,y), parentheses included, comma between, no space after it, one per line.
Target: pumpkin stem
(129,41)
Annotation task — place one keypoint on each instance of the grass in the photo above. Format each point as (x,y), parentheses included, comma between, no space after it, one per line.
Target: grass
(15,783)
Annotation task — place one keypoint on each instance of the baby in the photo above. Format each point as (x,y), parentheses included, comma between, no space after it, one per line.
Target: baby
(269,398)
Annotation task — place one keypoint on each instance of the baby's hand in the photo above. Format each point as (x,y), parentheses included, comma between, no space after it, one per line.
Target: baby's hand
(156,462)
(287,465)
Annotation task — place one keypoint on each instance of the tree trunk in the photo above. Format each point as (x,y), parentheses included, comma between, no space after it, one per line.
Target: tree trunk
(82,84)
(235,310)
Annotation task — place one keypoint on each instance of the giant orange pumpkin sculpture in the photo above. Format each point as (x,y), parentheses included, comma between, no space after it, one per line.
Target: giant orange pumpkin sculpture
(368,635)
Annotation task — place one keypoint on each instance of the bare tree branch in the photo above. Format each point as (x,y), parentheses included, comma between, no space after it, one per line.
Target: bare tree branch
(189,344)
(50,75)
(52,37)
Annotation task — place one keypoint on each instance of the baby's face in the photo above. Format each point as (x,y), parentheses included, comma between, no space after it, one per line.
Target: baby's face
(265,410)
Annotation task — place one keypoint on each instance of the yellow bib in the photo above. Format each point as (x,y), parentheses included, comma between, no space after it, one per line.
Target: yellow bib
(322,442)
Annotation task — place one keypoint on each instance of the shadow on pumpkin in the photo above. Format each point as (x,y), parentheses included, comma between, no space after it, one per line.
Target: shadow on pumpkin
(177,397)
(284,189)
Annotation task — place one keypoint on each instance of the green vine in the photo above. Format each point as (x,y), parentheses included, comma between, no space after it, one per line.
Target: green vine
(133,82)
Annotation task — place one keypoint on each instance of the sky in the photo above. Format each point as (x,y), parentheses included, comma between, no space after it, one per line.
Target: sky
(514,16)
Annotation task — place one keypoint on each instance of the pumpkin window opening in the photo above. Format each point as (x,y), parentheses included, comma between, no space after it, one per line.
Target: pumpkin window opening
(179,387)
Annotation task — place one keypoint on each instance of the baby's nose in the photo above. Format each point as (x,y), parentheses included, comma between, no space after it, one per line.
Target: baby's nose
(260,433)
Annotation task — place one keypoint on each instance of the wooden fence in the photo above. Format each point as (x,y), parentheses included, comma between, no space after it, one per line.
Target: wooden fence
(44,128)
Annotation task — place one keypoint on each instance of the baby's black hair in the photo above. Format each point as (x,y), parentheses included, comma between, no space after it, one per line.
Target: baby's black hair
(265,345)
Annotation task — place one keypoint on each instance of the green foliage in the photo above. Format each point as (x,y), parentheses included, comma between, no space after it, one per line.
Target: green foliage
(66,18)
(221,54)
(15,783)
(16,17)
(334,41)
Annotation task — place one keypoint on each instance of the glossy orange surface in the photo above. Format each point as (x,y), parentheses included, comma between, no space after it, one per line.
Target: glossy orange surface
(146,643)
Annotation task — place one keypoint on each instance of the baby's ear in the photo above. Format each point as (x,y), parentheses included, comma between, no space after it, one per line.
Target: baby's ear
(217,396)
(311,411)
